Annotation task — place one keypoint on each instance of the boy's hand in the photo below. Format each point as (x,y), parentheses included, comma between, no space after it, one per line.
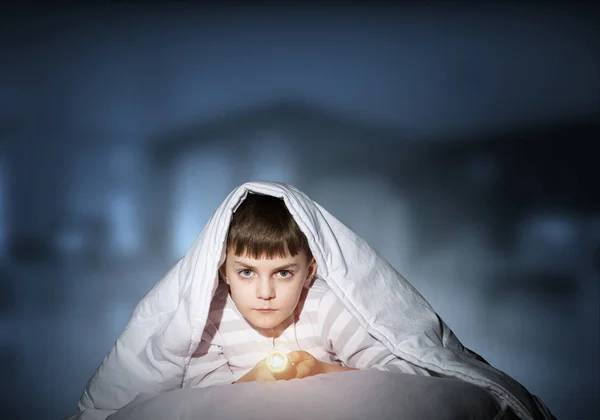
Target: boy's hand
(259,373)
(305,364)
(302,365)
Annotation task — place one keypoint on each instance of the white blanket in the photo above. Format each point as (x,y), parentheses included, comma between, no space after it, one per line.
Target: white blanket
(355,395)
(152,353)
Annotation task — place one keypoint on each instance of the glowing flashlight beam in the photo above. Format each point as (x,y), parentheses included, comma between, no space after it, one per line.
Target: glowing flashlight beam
(277,362)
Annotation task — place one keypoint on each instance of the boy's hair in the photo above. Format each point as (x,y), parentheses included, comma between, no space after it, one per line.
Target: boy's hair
(262,226)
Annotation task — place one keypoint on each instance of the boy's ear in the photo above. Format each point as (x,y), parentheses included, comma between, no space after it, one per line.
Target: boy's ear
(312,270)
(222,273)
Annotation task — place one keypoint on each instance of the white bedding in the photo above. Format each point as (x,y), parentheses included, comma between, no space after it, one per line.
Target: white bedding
(345,396)
(152,354)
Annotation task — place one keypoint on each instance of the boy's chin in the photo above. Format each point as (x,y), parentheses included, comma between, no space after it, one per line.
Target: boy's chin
(265,325)
(262,324)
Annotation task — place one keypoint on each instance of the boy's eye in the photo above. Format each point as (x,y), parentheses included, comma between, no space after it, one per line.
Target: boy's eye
(247,273)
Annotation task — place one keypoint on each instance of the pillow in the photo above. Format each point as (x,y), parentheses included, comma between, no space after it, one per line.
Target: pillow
(361,394)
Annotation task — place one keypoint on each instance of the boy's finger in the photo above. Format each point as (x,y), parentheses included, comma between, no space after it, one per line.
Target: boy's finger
(287,374)
(307,368)
(293,356)
(302,370)
(298,356)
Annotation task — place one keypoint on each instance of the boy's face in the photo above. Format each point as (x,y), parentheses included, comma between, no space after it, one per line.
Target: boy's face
(272,284)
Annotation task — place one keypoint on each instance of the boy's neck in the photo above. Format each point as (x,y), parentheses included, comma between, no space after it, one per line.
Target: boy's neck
(277,331)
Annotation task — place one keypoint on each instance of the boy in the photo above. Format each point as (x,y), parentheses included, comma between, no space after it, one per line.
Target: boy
(268,300)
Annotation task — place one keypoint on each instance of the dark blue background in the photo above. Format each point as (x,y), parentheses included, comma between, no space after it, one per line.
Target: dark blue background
(459,139)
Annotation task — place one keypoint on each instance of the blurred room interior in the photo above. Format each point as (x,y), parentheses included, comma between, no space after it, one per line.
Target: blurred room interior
(460,140)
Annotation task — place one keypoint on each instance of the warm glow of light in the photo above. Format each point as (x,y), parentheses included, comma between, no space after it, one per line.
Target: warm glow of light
(277,362)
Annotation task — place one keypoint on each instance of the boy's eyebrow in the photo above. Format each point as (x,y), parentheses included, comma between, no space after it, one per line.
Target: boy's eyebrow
(283,267)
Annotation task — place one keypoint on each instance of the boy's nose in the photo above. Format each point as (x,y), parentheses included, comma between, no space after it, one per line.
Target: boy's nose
(265,289)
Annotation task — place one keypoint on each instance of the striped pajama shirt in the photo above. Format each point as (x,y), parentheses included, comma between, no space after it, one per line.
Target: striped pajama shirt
(230,347)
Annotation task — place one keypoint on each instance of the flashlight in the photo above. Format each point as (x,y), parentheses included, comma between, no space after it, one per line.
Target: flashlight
(277,362)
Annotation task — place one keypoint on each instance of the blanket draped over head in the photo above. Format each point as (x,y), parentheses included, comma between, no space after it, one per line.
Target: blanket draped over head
(152,353)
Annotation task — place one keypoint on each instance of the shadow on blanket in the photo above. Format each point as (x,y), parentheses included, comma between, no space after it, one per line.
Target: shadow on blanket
(346,395)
